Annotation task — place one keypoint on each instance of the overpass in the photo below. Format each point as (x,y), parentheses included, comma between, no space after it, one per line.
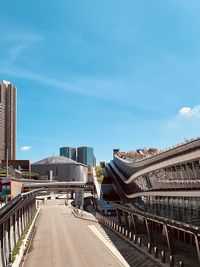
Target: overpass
(55,185)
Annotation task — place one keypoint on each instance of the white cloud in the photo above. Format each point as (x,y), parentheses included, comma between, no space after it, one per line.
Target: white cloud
(190,111)
(25,148)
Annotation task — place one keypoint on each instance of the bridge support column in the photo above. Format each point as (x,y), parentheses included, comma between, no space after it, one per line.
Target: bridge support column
(134,223)
(169,236)
(149,230)
(197,246)
(129,220)
(125,218)
(119,216)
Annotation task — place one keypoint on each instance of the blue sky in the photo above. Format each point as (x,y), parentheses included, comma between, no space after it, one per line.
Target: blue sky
(106,73)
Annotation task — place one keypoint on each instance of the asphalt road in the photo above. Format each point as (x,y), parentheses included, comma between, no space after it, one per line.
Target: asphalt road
(62,240)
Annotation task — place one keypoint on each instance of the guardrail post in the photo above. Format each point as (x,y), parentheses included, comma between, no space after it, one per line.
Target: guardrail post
(2,248)
(12,232)
(14,229)
(21,221)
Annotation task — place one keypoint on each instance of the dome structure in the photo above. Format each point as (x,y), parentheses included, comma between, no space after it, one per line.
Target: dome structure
(61,169)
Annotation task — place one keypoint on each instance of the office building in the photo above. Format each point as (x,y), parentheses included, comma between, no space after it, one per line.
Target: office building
(68,152)
(7,120)
(85,155)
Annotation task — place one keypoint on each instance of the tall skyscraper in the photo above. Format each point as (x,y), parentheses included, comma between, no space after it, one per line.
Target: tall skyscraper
(7,120)
(85,155)
(69,152)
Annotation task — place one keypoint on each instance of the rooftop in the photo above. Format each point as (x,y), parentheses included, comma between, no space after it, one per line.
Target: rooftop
(55,160)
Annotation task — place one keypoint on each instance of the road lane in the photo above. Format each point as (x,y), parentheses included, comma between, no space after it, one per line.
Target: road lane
(63,240)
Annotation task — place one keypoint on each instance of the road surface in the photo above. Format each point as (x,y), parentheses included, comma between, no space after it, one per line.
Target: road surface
(62,240)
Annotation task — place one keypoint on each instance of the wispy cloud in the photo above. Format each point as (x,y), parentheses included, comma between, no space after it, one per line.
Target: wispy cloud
(20,42)
(108,89)
(190,111)
(25,148)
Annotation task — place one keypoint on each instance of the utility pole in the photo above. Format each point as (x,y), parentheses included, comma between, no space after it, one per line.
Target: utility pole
(30,176)
(7,163)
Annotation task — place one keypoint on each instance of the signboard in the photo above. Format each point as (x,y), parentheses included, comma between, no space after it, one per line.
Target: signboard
(6,187)
(79,197)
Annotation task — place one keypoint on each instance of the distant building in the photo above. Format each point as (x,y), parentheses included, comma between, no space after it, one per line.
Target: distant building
(68,152)
(94,161)
(61,169)
(21,165)
(115,151)
(7,120)
(85,155)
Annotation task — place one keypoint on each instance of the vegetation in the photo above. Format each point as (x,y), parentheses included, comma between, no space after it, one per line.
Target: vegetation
(31,175)
(16,249)
(100,172)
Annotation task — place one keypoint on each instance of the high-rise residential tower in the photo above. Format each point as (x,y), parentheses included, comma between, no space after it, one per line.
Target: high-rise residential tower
(69,152)
(7,120)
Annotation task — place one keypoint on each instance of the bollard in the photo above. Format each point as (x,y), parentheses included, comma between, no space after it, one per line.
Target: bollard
(149,247)
(134,239)
(119,229)
(130,236)
(171,261)
(123,230)
(126,233)
(181,264)
(139,241)
(163,256)
(155,252)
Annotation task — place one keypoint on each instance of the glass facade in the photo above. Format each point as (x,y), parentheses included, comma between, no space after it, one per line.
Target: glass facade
(69,152)
(85,155)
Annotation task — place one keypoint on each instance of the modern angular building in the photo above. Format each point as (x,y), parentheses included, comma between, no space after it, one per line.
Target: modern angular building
(68,152)
(7,120)
(85,155)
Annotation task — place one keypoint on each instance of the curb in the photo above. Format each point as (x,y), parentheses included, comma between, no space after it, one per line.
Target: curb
(23,247)
(82,217)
